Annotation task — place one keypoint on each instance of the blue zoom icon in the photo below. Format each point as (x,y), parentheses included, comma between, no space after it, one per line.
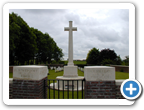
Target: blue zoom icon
(130,89)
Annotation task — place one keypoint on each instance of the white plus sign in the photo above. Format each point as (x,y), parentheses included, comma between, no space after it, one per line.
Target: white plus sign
(131,89)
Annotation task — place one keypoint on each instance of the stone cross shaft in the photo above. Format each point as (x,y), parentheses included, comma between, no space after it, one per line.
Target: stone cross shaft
(70,29)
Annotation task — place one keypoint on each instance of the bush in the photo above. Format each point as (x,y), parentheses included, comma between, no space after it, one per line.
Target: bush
(53,62)
(81,65)
(106,61)
(61,62)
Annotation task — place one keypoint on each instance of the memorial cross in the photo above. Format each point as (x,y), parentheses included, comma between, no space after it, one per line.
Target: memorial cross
(70,29)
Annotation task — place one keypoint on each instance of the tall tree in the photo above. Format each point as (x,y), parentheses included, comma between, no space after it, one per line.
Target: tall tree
(14,34)
(40,44)
(24,39)
(57,54)
(93,56)
(108,54)
(126,60)
(118,60)
(27,43)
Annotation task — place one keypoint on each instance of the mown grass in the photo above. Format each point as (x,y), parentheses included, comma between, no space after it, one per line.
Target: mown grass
(121,75)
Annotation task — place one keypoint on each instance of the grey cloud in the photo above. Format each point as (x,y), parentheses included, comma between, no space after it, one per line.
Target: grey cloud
(108,29)
(106,34)
(45,11)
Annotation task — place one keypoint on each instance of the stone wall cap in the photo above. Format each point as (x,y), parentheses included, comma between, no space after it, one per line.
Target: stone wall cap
(10,80)
(99,73)
(119,82)
(30,72)
(29,66)
(98,67)
(119,65)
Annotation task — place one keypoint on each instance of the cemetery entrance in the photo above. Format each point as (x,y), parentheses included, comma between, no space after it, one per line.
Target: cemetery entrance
(63,89)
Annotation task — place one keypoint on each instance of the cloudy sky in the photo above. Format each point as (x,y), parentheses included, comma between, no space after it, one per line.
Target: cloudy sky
(99,28)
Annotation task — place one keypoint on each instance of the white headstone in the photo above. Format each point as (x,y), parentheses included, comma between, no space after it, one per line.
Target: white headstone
(59,68)
(51,68)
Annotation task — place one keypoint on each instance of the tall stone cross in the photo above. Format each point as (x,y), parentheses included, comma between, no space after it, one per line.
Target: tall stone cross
(70,29)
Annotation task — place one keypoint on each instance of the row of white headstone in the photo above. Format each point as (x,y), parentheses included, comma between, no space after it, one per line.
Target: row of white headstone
(57,69)
(81,69)
(61,69)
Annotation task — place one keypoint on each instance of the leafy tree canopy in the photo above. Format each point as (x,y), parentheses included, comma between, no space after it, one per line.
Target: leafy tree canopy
(93,56)
(27,43)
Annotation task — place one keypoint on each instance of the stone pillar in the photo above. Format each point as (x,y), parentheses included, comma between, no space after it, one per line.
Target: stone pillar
(29,81)
(99,82)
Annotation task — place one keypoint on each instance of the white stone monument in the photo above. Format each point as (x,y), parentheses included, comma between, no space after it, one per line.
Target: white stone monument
(70,71)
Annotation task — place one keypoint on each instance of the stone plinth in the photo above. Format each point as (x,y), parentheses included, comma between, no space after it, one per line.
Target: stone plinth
(99,82)
(69,78)
(70,71)
(29,81)
(99,73)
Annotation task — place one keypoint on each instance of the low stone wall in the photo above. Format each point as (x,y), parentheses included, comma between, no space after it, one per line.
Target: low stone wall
(121,68)
(93,89)
(100,83)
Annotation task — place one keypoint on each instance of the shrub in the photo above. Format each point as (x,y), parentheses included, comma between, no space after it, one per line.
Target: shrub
(61,62)
(106,61)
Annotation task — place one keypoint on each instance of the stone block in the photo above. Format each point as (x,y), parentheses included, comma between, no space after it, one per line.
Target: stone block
(99,73)
(70,71)
(30,72)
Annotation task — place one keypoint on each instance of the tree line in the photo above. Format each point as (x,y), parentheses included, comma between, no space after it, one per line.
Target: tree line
(27,44)
(105,56)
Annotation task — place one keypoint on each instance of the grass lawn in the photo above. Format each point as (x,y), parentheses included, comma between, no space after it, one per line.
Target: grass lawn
(54,93)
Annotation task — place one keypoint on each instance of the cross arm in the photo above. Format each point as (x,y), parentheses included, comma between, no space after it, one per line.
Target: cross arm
(66,29)
(74,29)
